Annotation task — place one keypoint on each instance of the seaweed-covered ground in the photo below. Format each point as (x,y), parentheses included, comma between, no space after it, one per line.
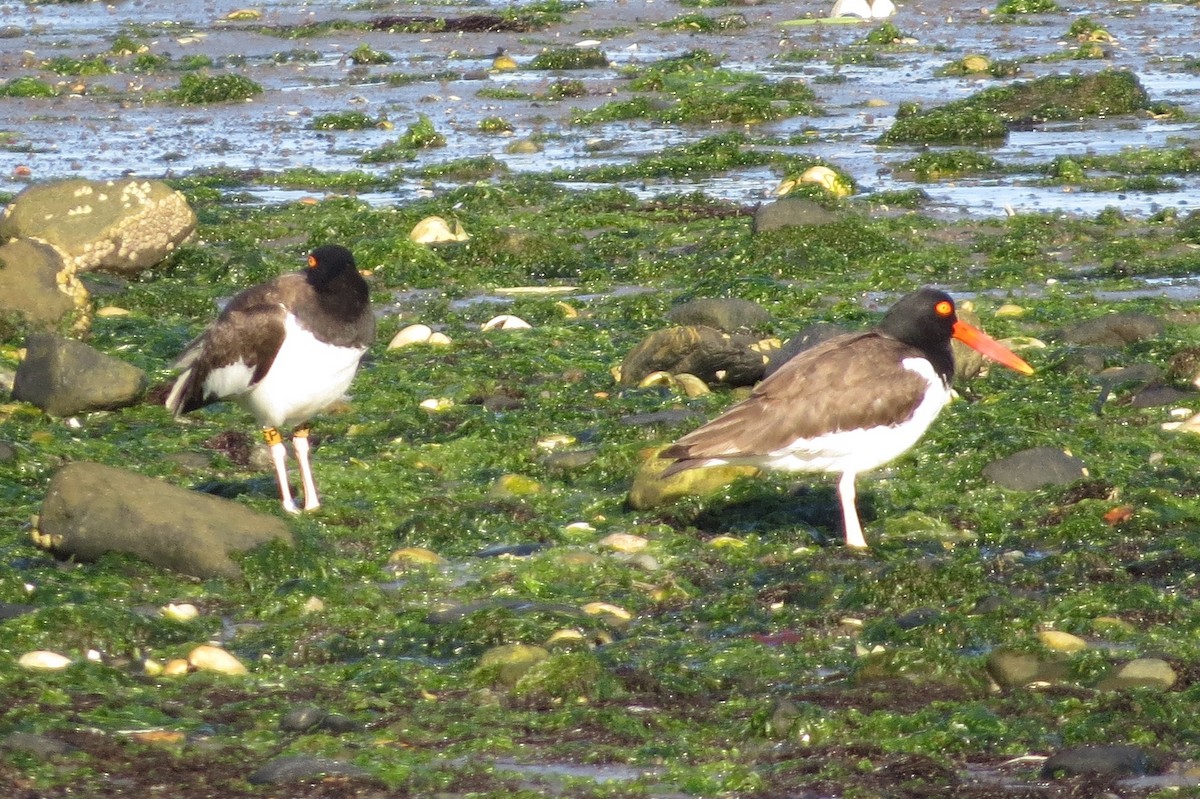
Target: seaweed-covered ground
(743,651)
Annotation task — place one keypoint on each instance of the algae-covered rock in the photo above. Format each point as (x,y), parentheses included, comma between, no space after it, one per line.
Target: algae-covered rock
(723,313)
(705,352)
(651,490)
(36,284)
(91,509)
(508,663)
(64,377)
(985,116)
(123,226)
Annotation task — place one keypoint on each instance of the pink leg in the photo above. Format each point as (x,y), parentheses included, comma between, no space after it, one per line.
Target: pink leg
(279,457)
(300,442)
(854,533)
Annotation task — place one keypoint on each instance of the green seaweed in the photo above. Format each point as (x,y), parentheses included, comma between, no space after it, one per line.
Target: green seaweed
(203,89)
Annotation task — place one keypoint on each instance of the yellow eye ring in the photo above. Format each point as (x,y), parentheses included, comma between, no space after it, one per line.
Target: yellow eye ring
(944,308)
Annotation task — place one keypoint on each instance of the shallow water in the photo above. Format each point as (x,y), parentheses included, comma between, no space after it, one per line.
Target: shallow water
(95,134)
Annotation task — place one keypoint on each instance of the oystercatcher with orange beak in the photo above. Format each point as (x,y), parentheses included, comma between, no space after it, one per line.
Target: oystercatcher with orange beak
(283,350)
(849,404)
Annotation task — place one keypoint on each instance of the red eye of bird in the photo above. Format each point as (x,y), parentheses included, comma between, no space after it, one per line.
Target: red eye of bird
(312,261)
(944,308)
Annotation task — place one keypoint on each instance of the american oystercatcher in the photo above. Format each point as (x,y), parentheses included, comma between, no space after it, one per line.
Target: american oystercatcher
(283,350)
(849,404)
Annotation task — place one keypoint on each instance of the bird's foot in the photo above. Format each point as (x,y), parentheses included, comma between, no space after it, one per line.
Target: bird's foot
(290,506)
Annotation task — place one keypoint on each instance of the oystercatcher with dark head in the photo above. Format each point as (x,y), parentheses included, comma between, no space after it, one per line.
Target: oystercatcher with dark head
(849,404)
(283,350)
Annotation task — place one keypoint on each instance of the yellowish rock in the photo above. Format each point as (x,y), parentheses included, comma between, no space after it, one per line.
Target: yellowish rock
(726,542)
(827,179)
(184,611)
(314,604)
(436,230)
(436,404)
(624,542)
(691,385)
(112,310)
(213,658)
(975,63)
(613,614)
(566,638)
(512,661)
(1059,641)
(439,339)
(516,485)
(244,15)
(43,660)
(151,667)
(1010,310)
(555,441)
(415,556)
(176,667)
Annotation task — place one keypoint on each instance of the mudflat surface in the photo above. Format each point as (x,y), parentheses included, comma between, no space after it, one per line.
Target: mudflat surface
(107,125)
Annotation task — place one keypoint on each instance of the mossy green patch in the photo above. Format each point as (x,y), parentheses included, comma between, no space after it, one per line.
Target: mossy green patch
(203,89)
(26,86)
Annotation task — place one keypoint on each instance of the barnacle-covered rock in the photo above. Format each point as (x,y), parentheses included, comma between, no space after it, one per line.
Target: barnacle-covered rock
(123,226)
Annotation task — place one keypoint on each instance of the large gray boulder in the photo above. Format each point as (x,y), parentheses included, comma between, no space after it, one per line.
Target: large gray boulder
(36,284)
(91,509)
(64,377)
(122,226)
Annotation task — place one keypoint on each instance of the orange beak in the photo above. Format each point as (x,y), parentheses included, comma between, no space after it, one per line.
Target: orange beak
(977,340)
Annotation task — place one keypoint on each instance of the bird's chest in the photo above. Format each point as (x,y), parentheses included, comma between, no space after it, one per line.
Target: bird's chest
(307,375)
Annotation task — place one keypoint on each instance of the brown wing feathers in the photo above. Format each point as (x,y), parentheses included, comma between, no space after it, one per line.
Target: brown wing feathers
(249,330)
(819,391)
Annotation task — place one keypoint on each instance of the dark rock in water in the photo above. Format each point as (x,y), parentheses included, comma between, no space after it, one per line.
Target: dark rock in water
(499,403)
(705,352)
(457,613)
(917,617)
(565,462)
(660,417)
(728,314)
(40,746)
(1154,396)
(806,339)
(91,509)
(64,377)
(512,550)
(1111,759)
(302,719)
(1114,330)
(308,718)
(302,767)
(992,603)
(9,610)
(1140,374)
(793,212)
(1034,468)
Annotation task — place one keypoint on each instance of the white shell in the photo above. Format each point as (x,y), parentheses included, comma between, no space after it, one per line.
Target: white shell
(184,611)
(506,322)
(413,334)
(213,658)
(44,660)
(437,404)
(851,8)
